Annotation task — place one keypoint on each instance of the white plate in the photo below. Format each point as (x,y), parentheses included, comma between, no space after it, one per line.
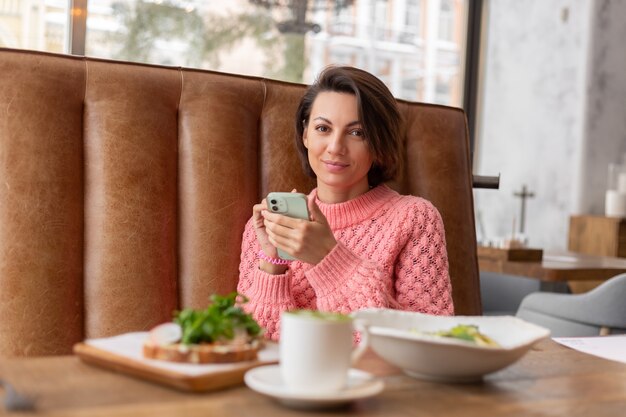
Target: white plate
(267,380)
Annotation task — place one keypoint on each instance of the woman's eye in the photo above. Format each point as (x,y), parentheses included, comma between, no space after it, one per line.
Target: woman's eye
(356,132)
(322,129)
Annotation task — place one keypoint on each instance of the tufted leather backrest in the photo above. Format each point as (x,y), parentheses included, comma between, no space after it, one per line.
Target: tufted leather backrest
(125,189)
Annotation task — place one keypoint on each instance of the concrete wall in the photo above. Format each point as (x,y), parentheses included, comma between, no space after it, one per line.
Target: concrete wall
(553,105)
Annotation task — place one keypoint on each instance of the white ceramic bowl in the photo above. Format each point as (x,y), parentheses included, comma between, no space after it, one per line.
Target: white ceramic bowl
(395,336)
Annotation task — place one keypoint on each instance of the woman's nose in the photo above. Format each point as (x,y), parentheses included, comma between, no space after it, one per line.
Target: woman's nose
(337,144)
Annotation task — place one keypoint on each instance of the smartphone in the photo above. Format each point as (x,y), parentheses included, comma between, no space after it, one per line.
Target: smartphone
(288,204)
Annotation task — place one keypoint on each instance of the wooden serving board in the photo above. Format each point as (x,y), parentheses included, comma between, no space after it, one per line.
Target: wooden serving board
(195,378)
(516,255)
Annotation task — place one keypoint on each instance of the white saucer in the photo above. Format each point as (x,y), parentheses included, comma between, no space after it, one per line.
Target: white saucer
(267,380)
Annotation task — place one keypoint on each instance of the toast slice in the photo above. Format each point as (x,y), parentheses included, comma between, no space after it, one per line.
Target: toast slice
(203,353)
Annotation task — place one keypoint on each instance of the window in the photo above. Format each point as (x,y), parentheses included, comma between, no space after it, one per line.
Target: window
(343,21)
(443,89)
(410,88)
(446,21)
(412,21)
(407,43)
(34,24)
(379,22)
(157,31)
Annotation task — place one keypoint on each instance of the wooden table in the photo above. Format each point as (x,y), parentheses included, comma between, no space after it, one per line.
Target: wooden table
(581,271)
(549,380)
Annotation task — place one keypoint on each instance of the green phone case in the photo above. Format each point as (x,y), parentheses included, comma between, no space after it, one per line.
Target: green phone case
(289,204)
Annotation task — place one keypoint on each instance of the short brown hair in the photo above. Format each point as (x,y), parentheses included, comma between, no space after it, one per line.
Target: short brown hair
(378,114)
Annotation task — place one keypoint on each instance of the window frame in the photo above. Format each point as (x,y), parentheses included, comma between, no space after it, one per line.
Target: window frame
(473,48)
(78,27)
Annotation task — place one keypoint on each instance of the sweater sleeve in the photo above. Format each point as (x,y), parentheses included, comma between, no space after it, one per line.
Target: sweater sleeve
(422,281)
(268,295)
(344,282)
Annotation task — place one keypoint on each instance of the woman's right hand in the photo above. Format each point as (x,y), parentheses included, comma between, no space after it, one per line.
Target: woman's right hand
(261,235)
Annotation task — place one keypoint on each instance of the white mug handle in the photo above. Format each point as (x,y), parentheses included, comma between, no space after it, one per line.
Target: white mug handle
(361,326)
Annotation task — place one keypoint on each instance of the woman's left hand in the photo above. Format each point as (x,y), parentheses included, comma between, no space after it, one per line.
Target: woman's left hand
(307,241)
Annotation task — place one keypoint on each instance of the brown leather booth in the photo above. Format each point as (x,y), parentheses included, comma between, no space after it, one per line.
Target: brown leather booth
(124,189)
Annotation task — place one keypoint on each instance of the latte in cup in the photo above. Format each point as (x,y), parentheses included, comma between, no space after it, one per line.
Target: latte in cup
(316,350)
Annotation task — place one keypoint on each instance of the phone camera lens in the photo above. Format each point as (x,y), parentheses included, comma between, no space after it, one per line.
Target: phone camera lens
(274,208)
(273,202)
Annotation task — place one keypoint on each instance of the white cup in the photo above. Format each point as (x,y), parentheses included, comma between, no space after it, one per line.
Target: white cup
(316,350)
(615,204)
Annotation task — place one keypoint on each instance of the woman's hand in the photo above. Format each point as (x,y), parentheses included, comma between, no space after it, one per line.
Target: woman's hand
(262,237)
(308,241)
(259,228)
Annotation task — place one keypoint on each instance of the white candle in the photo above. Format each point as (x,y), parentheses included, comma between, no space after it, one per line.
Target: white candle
(615,204)
(621,182)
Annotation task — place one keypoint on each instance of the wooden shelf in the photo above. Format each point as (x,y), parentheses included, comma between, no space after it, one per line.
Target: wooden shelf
(598,235)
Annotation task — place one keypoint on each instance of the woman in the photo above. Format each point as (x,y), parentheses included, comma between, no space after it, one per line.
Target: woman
(365,245)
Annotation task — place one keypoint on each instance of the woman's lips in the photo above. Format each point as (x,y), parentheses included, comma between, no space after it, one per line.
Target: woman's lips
(335,166)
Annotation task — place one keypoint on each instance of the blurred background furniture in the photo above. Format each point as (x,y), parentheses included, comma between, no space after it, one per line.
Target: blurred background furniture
(596,244)
(126,187)
(501,294)
(505,283)
(558,267)
(599,311)
(596,235)
(559,271)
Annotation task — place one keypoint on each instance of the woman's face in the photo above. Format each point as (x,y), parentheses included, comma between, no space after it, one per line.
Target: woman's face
(338,152)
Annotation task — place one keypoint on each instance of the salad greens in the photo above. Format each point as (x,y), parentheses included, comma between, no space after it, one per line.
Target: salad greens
(222,320)
(469,333)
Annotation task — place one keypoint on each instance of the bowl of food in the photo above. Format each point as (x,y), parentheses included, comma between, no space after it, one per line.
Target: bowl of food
(448,348)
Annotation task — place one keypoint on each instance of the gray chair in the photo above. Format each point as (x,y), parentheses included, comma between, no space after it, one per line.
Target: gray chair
(599,311)
(502,294)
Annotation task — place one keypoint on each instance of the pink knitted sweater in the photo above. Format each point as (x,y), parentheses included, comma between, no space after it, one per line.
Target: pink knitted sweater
(390,252)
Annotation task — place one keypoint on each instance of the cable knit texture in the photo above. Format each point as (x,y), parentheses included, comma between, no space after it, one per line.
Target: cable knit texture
(390,252)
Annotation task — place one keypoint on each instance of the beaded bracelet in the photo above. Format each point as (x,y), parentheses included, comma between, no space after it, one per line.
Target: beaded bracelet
(273,261)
